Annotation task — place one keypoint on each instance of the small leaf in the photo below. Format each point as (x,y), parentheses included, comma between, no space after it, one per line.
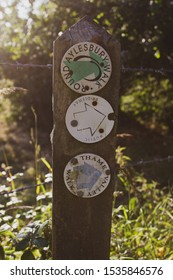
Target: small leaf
(40,242)
(125,213)
(5,227)
(40,197)
(27,255)
(22,245)
(23,235)
(132,203)
(47,164)
(43,226)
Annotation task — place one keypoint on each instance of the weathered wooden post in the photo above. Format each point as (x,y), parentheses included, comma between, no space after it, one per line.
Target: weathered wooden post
(85,104)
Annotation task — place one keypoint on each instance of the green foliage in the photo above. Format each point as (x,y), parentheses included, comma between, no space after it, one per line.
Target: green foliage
(31,41)
(142,225)
(30,238)
(14,98)
(150,101)
(25,231)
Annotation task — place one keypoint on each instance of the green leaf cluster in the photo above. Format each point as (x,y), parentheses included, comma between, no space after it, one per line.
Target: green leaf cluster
(142,217)
(25,215)
(150,101)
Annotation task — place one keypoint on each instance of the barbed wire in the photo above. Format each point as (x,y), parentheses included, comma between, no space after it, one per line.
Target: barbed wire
(26,65)
(138,163)
(21,189)
(124,69)
(161,71)
(146,162)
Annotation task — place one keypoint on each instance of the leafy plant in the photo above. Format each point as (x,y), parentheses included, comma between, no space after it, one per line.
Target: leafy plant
(31,239)
(141,218)
(25,231)
(150,102)
(142,225)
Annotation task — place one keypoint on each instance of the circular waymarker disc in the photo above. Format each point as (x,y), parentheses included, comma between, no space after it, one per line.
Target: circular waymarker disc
(88,118)
(87,175)
(86,67)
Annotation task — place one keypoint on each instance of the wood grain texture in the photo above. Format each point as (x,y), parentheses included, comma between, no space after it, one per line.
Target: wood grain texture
(81,227)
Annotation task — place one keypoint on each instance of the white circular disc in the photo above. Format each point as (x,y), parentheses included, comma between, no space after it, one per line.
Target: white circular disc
(86,67)
(87,175)
(87,119)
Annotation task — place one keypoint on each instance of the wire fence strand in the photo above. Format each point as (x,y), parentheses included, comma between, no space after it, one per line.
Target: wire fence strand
(26,65)
(21,189)
(161,71)
(147,162)
(135,164)
(124,69)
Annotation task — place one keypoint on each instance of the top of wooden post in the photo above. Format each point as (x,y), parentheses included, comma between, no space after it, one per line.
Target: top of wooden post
(86,30)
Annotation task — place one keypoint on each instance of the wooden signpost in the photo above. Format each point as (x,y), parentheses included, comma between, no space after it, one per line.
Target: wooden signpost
(85,107)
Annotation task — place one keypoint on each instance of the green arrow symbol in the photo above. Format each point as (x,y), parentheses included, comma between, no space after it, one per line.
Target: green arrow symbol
(83,66)
(82,69)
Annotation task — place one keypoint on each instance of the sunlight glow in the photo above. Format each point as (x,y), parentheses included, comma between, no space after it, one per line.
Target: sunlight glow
(24,6)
